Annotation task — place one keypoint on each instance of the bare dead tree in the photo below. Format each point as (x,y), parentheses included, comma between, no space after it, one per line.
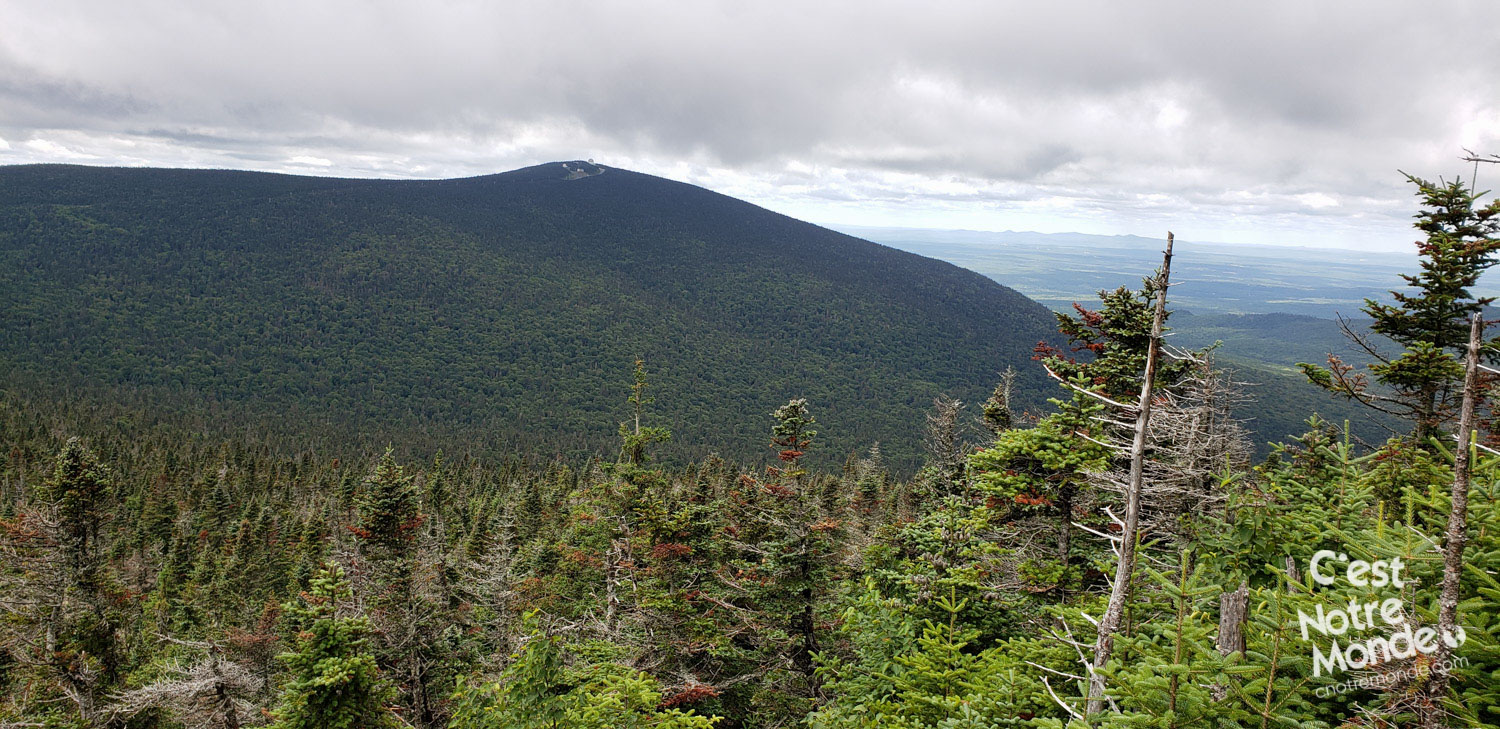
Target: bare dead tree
(41,602)
(1193,439)
(209,693)
(1129,531)
(488,578)
(1455,537)
(998,414)
(943,440)
(1476,158)
(614,558)
(1172,448)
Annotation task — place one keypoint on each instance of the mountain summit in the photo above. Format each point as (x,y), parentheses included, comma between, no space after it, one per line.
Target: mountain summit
(503,309)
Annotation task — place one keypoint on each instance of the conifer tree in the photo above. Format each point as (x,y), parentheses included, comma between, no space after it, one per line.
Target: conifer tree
(389,517)
(1167,684)
(1429,321)
(334,681)
(936,672)
(538,690)
(56,587)
(635,437)
(1476,690)
(786,543)
(78,488)
(1047,469)
(407,617)
(799,554)
(1133,485)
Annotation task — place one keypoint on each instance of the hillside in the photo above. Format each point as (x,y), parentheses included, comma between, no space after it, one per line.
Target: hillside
(502,310)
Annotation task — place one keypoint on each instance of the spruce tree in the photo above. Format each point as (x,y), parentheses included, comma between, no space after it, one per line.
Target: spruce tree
(79,487)
(785,544)
(389,517)
(801,548)
(1429,320)
(634,437)
(1045,470)
(408,618)
(334,681)
(539,690)
(60,605)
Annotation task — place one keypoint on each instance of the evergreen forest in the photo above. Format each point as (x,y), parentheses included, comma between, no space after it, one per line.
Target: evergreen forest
(1091,537)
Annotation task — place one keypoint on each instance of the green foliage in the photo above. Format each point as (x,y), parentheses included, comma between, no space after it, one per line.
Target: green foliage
(1027,465)
(771,593)
(388,511)
(334,683)
(938,613)
(1430,322)
(79,486)
(538,690)
(634,438)
(935,676)
(1044,472)
(490,314)
(796,535)
(793,431)
(1115,336)
(1303,496)
(1460,244)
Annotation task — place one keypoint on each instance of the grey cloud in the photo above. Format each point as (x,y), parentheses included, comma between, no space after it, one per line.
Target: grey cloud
(1128,110)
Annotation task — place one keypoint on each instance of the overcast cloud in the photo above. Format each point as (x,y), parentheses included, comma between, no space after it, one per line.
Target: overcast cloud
(1253,122)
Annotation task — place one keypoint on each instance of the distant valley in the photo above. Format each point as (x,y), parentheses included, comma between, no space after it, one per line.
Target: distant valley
(1060,268)
(1266,307)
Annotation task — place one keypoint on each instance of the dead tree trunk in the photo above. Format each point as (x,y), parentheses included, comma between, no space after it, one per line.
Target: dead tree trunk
(1233,607)
(1453,541)
(1125,566)
(1064,504)
(225,710)
(612,559)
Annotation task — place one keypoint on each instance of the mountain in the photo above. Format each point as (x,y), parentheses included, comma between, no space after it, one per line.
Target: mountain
(492,313)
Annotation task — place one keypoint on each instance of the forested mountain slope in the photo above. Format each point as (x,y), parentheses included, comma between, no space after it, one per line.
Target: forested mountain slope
(504,309)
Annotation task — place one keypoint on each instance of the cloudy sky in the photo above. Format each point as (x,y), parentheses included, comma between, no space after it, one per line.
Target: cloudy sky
(1244,122)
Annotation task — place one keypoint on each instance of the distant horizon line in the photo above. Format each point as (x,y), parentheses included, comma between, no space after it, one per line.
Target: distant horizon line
(316,173)
(843,227)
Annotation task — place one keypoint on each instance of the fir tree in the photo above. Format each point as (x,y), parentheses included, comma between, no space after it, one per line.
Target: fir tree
(408,618)
(538,690)
(1429,322)
(635,437)
(389,516)
(78,488)
(785,543)
(334,681)
(58,596)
